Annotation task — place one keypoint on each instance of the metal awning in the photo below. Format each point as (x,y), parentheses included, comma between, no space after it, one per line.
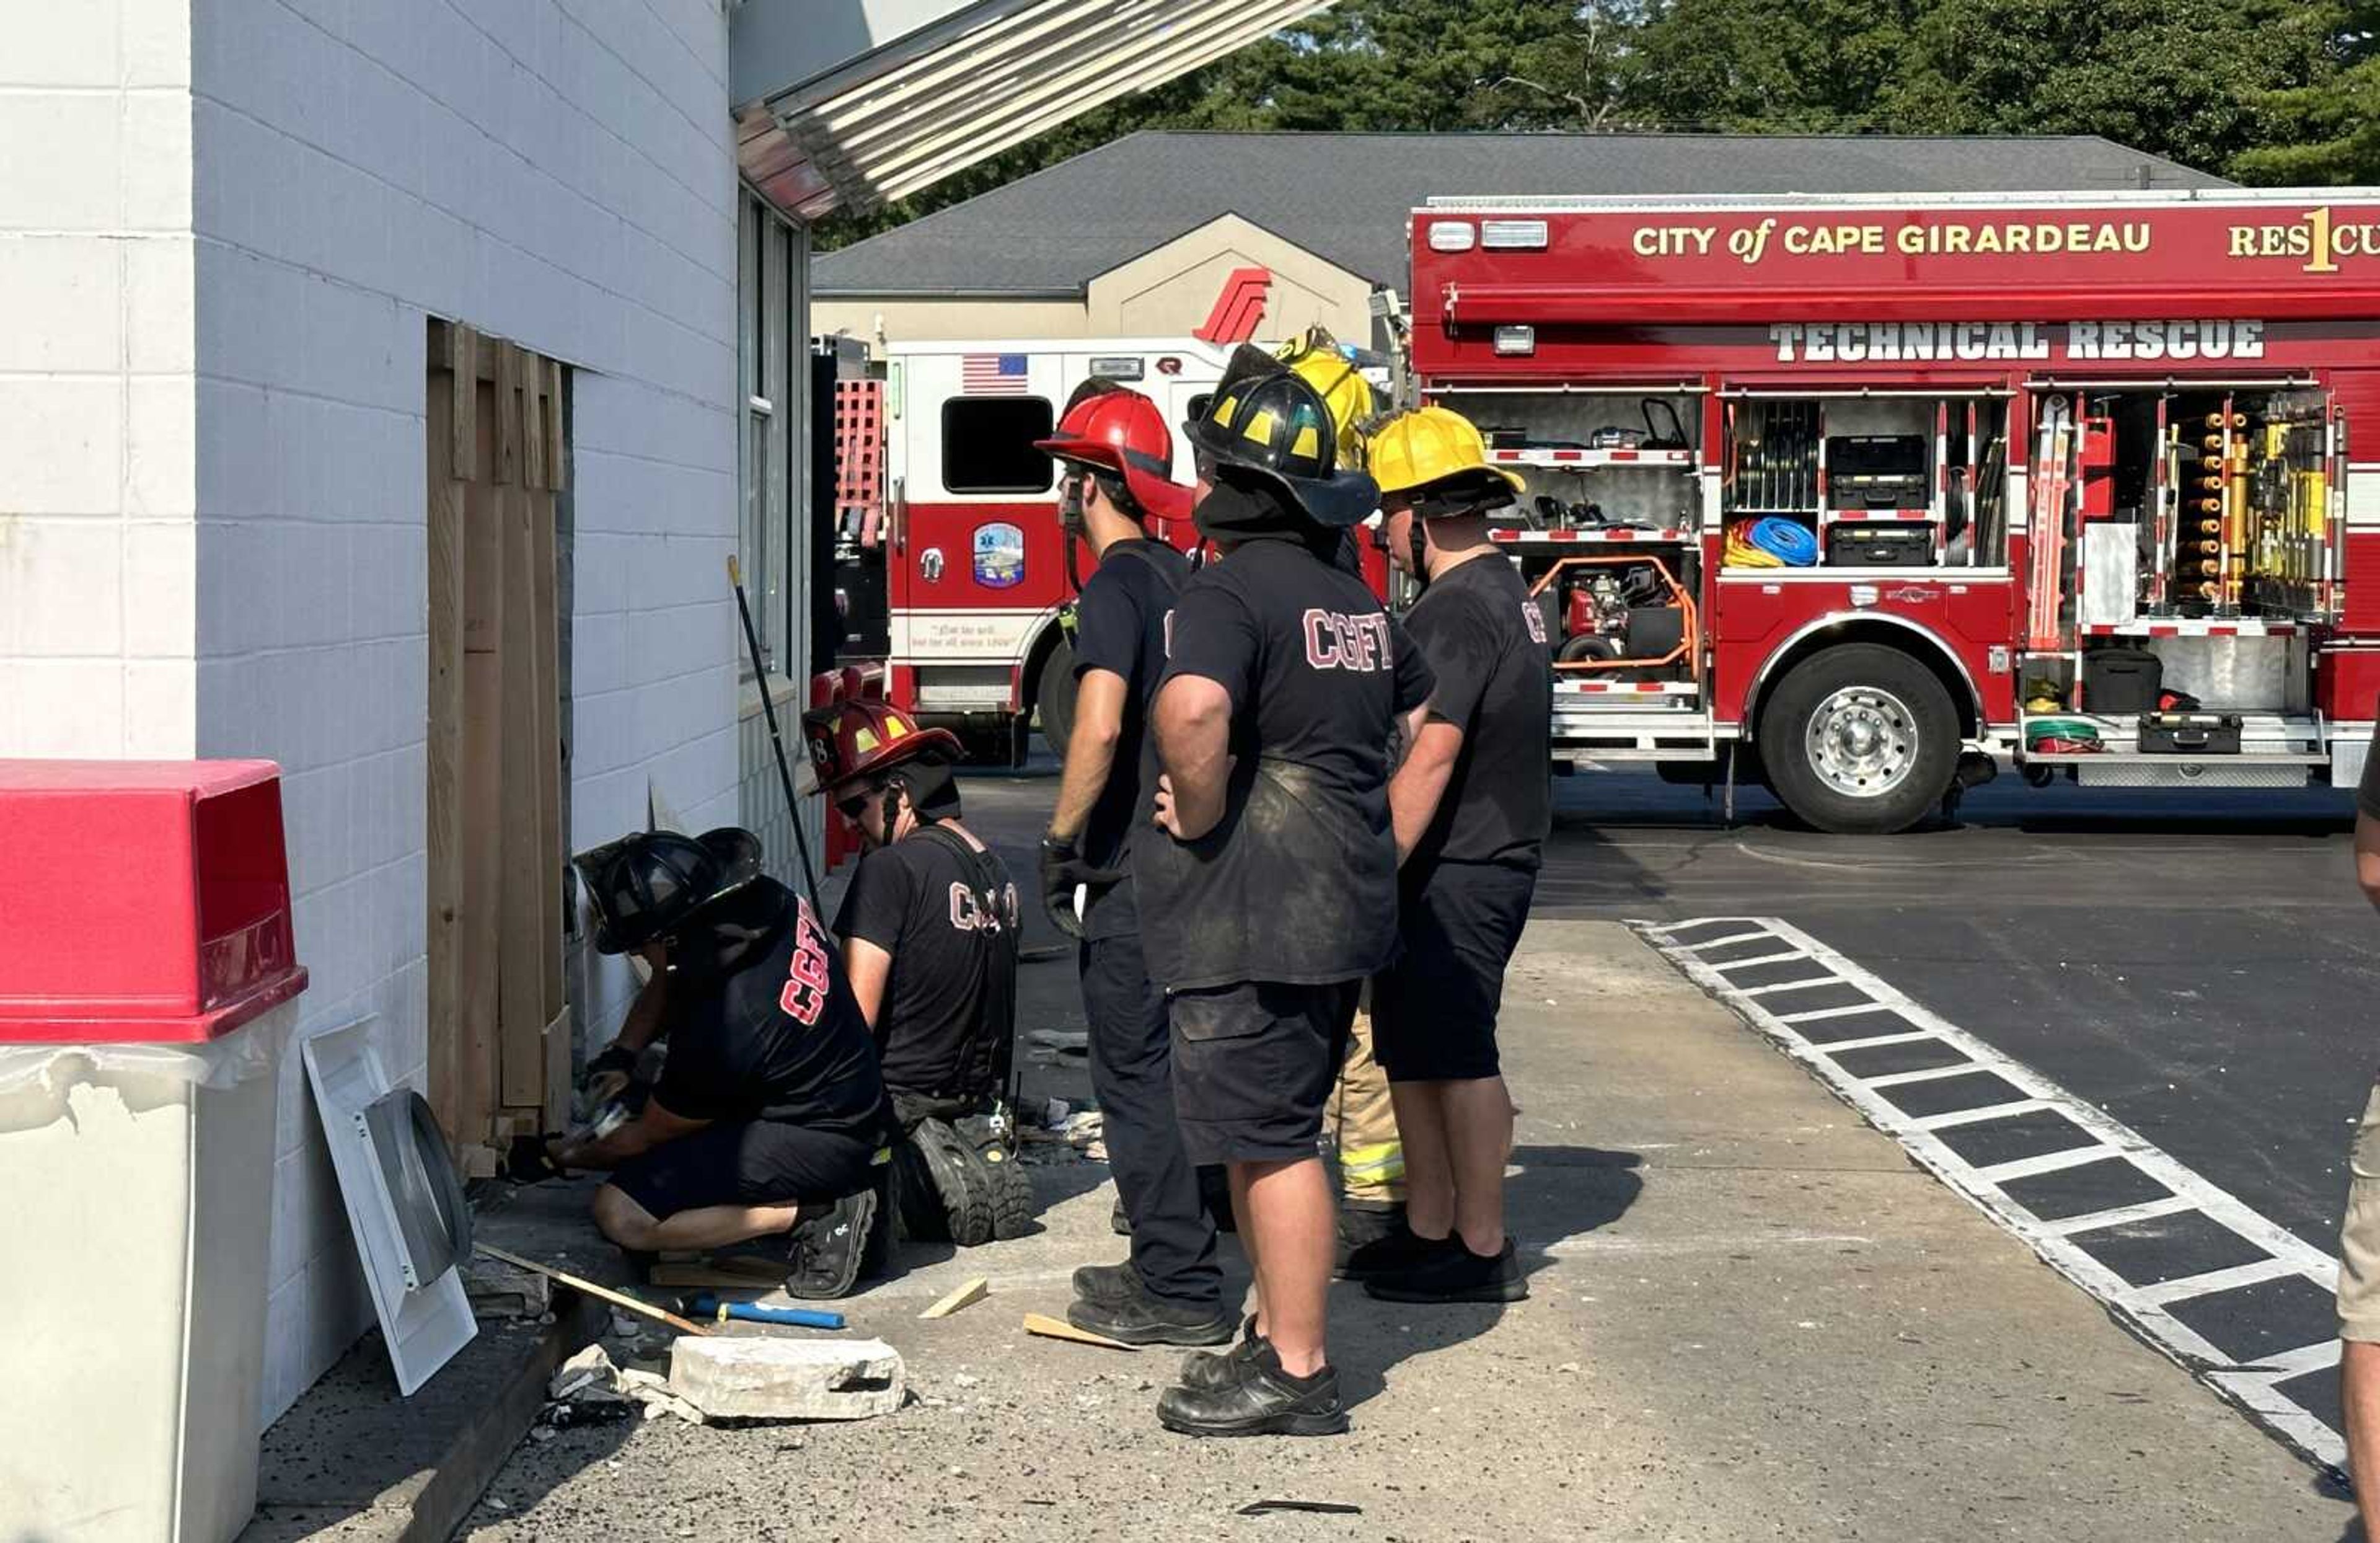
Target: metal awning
(910,111)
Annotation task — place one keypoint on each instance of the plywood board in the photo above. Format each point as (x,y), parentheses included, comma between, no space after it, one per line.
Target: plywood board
(456,346)
(546,644)
(507,468)
(557,450)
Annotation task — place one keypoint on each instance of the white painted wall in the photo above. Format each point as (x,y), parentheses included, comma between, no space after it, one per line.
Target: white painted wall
(223,226)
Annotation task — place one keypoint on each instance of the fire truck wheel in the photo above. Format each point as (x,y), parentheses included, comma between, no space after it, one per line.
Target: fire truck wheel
(1860,740)
(1054,698)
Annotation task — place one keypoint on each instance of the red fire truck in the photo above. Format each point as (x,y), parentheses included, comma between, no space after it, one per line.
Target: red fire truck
(1865,498)
(952,573)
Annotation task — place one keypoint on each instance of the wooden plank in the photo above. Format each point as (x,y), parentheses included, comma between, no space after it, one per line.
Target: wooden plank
(460,354)
(521,926)
(579,1282)
(508,413)
(558,1070)
(966,1296)
(533,410)
(482,788)
(546,643)
(714,1277)
(557,445)
(448,1084)
(1059,1328)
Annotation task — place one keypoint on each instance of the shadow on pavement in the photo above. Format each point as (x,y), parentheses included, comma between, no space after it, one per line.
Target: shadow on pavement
(1557,1194)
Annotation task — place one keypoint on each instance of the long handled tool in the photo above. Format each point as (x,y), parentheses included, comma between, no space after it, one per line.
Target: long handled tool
(579,1282)
(768,711)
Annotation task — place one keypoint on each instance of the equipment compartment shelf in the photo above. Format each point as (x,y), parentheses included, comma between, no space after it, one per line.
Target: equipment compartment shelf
(1587,460)
(1628,534)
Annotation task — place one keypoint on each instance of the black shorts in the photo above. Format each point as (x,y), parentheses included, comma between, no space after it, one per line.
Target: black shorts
(1254,1064)
(745,1162)
(1434,1010)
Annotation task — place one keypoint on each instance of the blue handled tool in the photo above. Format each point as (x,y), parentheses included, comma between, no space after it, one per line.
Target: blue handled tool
(709,1305)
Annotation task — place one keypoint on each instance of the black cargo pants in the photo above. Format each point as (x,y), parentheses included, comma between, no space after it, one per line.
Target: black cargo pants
(1132,1074)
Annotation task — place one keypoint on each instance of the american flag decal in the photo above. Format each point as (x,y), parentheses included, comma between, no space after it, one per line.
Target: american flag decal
(992,374)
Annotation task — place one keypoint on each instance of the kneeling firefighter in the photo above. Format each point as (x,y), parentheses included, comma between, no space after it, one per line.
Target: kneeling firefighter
(929,929)
(766,1131)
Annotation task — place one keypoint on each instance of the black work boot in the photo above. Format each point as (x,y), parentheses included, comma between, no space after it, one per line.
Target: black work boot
(1143,1318)
(1207,1369)
(1455,1274)
(1264,1400)
(1363,1221)
(826,1247)
(1107,1283)
(1397,1250)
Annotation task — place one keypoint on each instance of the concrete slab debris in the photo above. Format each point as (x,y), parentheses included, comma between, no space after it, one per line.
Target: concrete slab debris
(498,1290)
(735,1376)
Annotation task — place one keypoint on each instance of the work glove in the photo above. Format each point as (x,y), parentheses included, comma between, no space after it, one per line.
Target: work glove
(530,1158)
(1063,868)
(609,1074)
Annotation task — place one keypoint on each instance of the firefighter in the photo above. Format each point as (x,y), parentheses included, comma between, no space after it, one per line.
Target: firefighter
(2358,1239)
(1115,454)
(929,927)
(764,1130)
(1362,1117)
(1267,881)
(1471,804)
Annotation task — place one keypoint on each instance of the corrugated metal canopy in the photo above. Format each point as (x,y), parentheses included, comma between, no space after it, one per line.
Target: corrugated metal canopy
(904,115)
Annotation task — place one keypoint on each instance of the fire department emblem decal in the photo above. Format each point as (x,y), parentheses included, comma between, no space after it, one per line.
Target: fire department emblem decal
(998,556)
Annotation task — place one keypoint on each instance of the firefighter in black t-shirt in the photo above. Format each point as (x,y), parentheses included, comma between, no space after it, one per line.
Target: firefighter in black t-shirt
(1268,885)
(1115,454)
(769,1119)
(930,926)
(1471,804)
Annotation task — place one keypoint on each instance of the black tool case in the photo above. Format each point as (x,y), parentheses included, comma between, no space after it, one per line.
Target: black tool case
(2121,680)
(2189,733)
(1880,546)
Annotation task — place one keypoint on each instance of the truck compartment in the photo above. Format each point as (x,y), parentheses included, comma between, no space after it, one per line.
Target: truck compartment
(1895,479)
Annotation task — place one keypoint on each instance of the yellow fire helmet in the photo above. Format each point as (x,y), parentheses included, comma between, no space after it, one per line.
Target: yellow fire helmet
(1438,449)
(1315,357)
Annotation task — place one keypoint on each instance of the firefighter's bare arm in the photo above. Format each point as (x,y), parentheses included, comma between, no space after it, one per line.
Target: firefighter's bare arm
(2367,856)
(607,1071)
(1408,730)
(1193,720)
(1090,749)
(868,967)
(653,1128)
(1421,781)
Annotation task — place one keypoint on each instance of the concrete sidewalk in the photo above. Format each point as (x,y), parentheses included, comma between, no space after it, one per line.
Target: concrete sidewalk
(1751,1318)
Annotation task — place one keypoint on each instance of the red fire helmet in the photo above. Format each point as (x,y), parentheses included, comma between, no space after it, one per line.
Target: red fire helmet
(1122,432)
(855,739)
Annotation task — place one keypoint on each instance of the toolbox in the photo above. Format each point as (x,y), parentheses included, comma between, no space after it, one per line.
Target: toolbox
(2120,680)
(2189,733)
(1880,546)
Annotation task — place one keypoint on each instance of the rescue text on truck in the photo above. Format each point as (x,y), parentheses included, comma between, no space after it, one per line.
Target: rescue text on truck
(1865,501)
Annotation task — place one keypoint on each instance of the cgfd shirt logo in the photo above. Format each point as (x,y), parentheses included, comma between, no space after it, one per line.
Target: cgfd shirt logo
(971,912)
(1335,640)
(1535,620)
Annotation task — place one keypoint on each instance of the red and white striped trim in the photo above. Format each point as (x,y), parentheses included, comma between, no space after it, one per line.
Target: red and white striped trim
(1876,516)
(1591,457)
(2242,628)
(1626,687)
(1520,538)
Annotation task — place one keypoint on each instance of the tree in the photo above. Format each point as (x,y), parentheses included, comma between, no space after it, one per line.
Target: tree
(1752,66)
(2329,129)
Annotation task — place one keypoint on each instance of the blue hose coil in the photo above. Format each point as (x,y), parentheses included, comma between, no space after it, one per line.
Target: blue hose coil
(1790,542)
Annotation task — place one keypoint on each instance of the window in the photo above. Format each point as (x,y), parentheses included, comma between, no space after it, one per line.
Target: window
(773,361)
(988,445)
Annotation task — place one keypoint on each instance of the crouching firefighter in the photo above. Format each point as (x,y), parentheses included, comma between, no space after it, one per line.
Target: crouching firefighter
(929,930)
(768,1125)
(1115,454)
(1268,886)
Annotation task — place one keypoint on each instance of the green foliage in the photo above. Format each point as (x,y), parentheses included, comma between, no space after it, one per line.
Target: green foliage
(2265,90)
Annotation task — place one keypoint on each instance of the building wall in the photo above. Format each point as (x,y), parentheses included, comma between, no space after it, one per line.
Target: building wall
(96,460)
(215,277)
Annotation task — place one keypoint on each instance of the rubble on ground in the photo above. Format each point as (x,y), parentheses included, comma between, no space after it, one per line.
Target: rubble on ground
(589,1388)
(737,1377)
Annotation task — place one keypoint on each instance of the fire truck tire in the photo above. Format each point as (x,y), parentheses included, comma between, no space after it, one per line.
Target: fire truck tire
(1860,740)
(1054,698)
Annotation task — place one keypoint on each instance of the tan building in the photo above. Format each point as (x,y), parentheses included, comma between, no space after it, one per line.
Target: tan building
(1160,233)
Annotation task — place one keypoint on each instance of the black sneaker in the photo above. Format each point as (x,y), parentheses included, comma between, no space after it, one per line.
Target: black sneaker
(1208,1369)
(1455,1275)
(826,1248)
(1143,1318)
(1105,1283)
(1264,1400)
(1400,1250)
